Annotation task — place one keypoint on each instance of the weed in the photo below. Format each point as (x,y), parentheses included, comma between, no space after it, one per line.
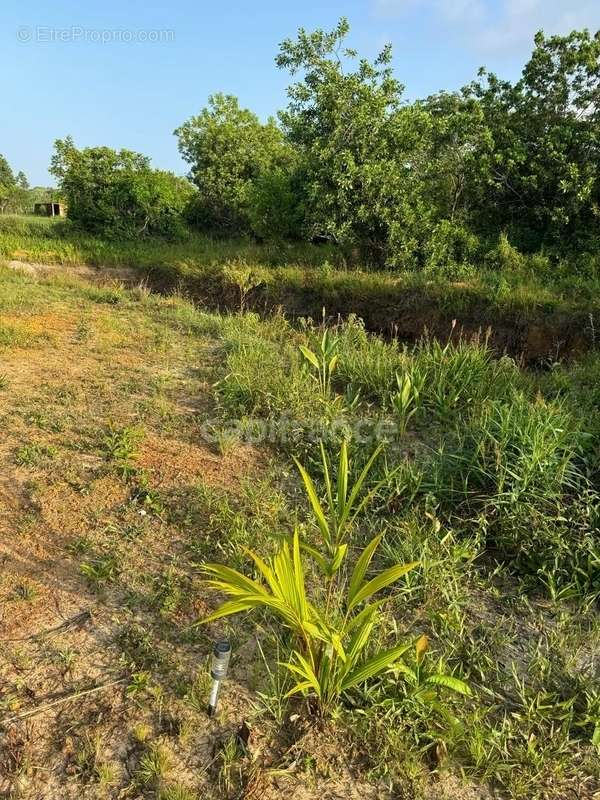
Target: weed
(229,765)
(244,278)
(144,495)
(139,650)
(197,694)
(323,360)
(406,400)
(24,590)
(103,569)
(80,545)
(120,446)
(33,455)
(89,766)
(168,592)
(155,766)
(83,331)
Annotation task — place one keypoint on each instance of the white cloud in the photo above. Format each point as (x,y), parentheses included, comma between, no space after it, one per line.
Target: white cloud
(500,26)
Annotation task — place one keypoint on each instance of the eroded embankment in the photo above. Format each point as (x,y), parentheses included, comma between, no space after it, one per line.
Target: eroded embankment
(388,306)
(535,332)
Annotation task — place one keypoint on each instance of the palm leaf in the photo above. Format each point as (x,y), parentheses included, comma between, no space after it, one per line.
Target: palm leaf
(232,581)
(406,670)
(302,686)
(305,671)
(340,554)
(309,356)
(299,576)
(382,580)
(362,565)
(374,666)
(314,501)
(450,682)
(363,625)
(345,518)
(326,475)
(232,607)
(265,570)
(314,553)
(342,479)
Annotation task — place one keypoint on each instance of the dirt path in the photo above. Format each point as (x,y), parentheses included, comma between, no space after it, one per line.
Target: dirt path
(96,275)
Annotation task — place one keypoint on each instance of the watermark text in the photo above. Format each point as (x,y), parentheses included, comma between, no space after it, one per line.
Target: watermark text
(44,34)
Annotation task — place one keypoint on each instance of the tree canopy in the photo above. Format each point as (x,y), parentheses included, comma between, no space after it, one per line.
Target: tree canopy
(117,193)
(229,151)
(435,183)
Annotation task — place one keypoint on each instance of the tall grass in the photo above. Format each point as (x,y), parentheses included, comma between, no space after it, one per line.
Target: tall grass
(485,445)
(303,278)
(492,487)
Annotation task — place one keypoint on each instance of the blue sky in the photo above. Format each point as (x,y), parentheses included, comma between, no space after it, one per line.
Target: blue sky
(134,93)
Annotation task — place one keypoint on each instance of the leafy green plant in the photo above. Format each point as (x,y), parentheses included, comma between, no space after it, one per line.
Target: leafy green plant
(31,455)
(330,641)
(120,445)
(342,504)
(406,400)
(24,590)
(455,376)
(143,494)
(243,278)
(155,766)
(229,766)
(323,361)
(424,683)
(103,569)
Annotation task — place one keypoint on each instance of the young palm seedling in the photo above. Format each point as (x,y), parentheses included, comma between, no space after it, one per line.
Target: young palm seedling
(343,502)
(424,689)
(425,683)
(323,361)
(330,652)
(405,400)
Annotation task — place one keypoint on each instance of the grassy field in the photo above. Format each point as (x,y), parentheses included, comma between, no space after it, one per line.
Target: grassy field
(144,436)
(534,306)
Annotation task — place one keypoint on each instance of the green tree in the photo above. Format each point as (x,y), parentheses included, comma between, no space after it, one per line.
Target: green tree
(230,151)
(6,174)
(21,180)
(117,193)
(545,158)
(347,126)
(7,184)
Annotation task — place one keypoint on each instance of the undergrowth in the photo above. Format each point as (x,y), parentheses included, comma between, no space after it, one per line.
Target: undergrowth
(485,481)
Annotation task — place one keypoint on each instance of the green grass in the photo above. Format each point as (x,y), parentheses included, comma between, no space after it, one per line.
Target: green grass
(534,307)
(126,443)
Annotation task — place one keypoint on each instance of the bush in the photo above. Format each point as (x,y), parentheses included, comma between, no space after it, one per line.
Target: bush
(117,194)
(450,245)
(228,150)
(275,208)
(504,256)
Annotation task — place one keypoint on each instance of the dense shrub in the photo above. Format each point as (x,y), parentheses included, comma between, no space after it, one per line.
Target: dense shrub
(451,245)
(230,151)
(117,193)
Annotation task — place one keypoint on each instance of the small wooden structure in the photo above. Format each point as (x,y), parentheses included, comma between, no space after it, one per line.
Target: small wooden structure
(50,209)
